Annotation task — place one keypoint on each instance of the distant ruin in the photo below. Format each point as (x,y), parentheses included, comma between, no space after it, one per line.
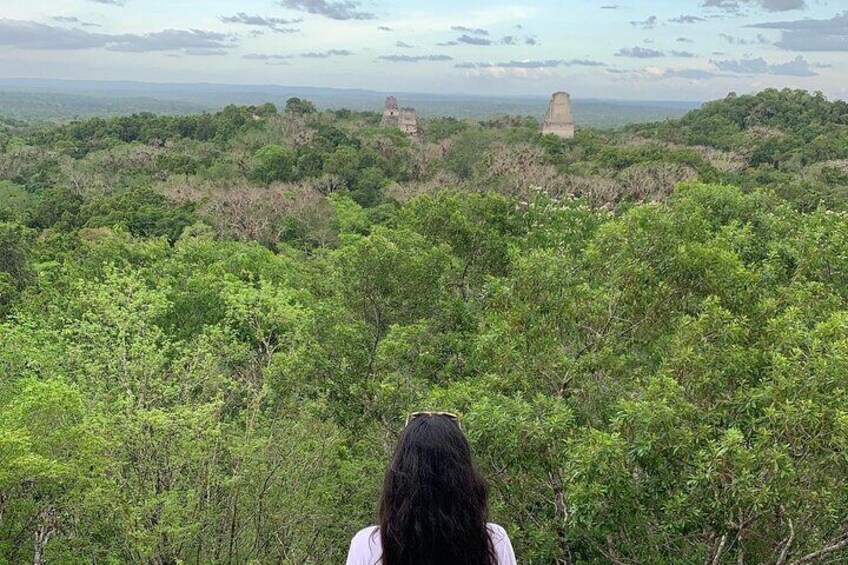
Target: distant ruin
(404,119)
(558,120)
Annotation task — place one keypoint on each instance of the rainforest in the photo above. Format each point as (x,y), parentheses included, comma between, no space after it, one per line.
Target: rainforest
(213,326)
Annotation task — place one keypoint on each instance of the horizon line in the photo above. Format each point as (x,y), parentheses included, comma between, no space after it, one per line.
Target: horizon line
(335,88)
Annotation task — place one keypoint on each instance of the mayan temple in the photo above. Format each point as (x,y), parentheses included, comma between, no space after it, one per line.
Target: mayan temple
(405,119)
(558,120)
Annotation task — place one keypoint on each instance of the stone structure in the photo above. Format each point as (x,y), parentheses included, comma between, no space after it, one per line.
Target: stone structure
(391,114)
(405,119)
(558,120)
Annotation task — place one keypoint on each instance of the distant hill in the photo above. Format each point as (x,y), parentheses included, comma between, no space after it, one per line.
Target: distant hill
(795,118)
(786,128)
(61,107)
(60,100)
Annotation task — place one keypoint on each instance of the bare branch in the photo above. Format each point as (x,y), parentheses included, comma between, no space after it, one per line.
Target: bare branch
(720,550)
(784,553)
(842,543)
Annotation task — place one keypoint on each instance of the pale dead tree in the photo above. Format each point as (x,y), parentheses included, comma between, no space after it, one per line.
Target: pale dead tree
(47,526)
(445,147)
(196,149)
(598,190)
(327,184)
(519,171)
(89,176)
(5,166)
(249,213)
(514,169)
(653,181)
(754,136)
(633,140)
(761,133)
(188,189)
(510,159)
(83,181)
(96,173)
(114,164)
(727,161)
(815,170)
(535,177)
(425,159)
(20,159)
(403,192)
(133,157)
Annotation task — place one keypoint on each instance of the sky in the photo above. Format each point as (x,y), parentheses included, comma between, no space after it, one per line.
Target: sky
(626,49)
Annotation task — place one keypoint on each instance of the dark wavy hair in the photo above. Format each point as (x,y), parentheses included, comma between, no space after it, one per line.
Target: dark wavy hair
(434,507)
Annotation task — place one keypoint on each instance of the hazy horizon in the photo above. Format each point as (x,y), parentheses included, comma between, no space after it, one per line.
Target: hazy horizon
(53,84)
(61,100)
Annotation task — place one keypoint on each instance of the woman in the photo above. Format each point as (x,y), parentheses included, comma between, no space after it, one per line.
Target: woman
(434,505)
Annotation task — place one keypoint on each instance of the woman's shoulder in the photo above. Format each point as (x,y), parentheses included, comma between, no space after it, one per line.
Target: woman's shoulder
(502,543)
(365,548)
(497,532)
(366,536)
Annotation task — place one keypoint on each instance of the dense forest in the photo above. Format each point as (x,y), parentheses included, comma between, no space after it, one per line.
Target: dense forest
(212,327)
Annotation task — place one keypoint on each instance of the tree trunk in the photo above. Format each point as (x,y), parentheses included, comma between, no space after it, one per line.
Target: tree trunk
(46,529)
(562,510)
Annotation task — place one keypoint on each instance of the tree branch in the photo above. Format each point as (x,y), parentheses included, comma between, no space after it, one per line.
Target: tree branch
(720,550)
(824,552)
(784,553)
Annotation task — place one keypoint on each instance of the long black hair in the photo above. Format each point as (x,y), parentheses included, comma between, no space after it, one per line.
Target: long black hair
(434,507)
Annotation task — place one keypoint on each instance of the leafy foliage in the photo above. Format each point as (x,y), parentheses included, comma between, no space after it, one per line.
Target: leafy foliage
(210,364)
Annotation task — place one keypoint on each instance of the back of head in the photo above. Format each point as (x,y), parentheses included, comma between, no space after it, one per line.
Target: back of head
(434,506)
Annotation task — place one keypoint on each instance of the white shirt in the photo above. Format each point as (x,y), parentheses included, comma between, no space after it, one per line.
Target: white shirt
(367,549)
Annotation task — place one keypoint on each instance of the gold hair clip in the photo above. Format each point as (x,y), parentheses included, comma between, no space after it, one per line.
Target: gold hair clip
(449,415)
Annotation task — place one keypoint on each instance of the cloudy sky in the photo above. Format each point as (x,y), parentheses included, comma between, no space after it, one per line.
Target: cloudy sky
(634,49)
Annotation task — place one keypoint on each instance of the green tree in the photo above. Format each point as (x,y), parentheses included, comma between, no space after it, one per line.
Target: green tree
(143,212)
(274,163)
(300,106)
(15,262)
